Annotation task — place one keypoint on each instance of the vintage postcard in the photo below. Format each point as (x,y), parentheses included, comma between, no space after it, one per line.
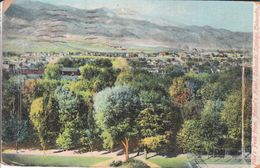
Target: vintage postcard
(133,84)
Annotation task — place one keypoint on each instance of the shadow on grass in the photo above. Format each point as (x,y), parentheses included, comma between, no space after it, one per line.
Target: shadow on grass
(152,156)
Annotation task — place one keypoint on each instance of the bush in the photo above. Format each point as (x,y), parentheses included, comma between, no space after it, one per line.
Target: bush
(116,163)
(65,140)
(131,163)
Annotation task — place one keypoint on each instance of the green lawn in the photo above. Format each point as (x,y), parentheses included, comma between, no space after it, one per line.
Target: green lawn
(175,162)
(120,63)
(218,160)
(75,161)
(91,57)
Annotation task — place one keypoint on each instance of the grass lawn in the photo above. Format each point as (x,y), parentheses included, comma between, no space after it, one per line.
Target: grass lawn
(91,57)
(231,161)
(117,62)
(174,162)
(29,160)
(120,63)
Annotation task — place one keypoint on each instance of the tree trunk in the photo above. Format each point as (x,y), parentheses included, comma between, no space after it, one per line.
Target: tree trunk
(91,148)
(16,146)
(125,143)
(43,148)
(145,152)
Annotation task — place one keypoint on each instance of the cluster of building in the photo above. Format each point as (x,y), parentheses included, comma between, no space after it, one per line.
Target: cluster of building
(31,63)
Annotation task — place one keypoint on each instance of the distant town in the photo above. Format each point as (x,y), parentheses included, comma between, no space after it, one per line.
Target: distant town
(32,64)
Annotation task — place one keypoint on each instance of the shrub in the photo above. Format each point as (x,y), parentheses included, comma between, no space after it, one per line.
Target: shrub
(131,163)
(116,163)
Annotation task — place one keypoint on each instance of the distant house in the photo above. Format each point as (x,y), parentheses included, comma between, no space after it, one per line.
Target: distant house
(70,71)
(32,71)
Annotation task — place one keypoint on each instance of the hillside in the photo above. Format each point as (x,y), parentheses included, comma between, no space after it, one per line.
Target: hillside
(38,26)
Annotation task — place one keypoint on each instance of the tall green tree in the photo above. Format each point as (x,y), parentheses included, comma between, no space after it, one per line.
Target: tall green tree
(179,91)
(15,130)
(98,77)
(212,129)
(44,116)
(53,71)
(231,116)
(115,112)
(189,136)
(72,117)
(150,126)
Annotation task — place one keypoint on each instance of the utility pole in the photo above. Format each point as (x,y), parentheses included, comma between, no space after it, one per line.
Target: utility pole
(243,151)
(1,77)
(243,114)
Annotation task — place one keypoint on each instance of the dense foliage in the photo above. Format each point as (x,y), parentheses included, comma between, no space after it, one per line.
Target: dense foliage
(107,108)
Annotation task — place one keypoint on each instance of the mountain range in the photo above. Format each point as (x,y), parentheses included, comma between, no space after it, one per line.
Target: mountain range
(36,26)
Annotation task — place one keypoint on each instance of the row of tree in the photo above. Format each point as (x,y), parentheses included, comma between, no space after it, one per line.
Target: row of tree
(172,112)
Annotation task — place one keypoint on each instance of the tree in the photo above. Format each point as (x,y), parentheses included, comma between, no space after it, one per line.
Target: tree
(115,112)
(72,117)
(98,77)
(157,103)
(43,115)
(179,91)
(221,85)
(29,92)
(15,130)
(204,134)
(189,137)
(11,101)
(211,129)
(65,139)
(53,71)
(38,118)
(231,116)
(192,109)
(150,127)
(195,81)
(102,63)
(174,71)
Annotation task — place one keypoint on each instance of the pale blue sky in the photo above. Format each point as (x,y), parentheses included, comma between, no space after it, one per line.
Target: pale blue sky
(235,16)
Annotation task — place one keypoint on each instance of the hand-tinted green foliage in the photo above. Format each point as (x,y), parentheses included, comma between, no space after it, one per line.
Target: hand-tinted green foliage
(189,137)
(116,109)
(143,80)
(103,63)
(72,117)
(145,108)
(192,109)
(204,134)
(149,123)
(231,116)
(66,62)
(134,164)
(53,71)
(116,163)
(174,71)
(11,100)
(179,91)
(66,139)
(195,81)
(98,77)
(15,130)
(44,117)
(221,84)
(211,127)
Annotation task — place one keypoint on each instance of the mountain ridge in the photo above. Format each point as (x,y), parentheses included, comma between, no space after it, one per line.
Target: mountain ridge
(45,22)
